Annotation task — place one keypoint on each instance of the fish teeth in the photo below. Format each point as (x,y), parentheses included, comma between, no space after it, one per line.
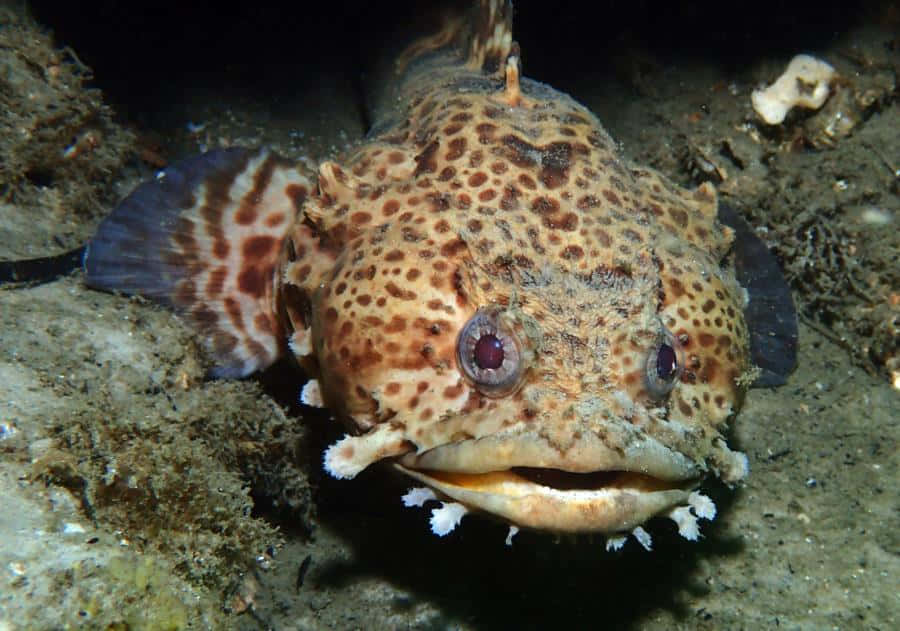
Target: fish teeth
(513,531)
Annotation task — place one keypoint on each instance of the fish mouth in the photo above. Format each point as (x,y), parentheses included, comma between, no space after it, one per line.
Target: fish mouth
(621,491)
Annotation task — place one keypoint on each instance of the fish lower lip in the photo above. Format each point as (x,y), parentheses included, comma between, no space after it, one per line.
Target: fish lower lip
(606,501)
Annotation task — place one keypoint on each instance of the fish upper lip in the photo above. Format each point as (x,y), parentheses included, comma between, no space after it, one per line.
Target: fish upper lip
(588,459)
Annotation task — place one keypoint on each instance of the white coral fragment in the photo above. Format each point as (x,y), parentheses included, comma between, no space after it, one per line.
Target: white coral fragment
(447,517)
(643,537)
(615,542)
(805,83)
(418,496)
(513,531)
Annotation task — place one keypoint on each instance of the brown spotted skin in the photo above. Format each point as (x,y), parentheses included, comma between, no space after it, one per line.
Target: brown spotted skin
(474,192)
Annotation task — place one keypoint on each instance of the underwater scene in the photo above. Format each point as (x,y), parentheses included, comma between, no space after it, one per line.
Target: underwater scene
(452,315)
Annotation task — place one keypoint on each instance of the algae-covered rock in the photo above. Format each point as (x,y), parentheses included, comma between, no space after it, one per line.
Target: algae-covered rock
(60,149)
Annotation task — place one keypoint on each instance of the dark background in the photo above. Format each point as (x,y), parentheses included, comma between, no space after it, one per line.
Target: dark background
(145,54)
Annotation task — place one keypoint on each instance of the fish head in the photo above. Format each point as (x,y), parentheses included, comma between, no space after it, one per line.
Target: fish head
(565,357)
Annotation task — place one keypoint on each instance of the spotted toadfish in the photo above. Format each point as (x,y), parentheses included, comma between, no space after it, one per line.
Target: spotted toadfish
(484,291)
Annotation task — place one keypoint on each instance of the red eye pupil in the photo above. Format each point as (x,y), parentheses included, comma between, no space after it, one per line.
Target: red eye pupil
(488,352)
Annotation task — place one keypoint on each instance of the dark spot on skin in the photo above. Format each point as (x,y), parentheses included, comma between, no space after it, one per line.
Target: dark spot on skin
(510,199)
(706,339)
(632,235)
(233,309)
(588,201)
(255,248)
(413,274)
(452,392)
(220,248)
(544,206)
(486,133)
(360,218)
(611,197)
(216,281)
(685,408)
(447,173)
(297,194)
(676,287)
(396,325)
(708,306)
(709,370)
(452,248)
(679,216)
(526,181)
(521,153)
(568,222)
(252,280)
(477,179)
(390,207)
(603,237)
(572,253)
(397,292)
(555,159)
(425,161)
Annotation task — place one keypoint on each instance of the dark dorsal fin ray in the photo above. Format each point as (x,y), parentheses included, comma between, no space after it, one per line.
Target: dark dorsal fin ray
(770,314)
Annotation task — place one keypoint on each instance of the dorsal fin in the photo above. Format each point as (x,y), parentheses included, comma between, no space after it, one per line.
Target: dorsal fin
(489,37)
(482,36)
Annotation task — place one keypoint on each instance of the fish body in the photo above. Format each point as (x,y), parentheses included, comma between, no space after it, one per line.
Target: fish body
(487,294)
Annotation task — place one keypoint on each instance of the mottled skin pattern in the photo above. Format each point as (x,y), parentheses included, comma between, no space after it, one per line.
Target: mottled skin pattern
(481,193)
(477,192)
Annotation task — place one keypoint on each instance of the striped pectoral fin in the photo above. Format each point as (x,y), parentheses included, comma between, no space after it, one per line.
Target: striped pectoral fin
(205,237)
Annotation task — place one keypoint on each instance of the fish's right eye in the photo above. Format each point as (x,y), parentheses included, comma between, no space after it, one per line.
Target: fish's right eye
(490,354)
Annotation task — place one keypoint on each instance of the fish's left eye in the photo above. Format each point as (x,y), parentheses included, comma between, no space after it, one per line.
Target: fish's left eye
(663,367)
(489,353)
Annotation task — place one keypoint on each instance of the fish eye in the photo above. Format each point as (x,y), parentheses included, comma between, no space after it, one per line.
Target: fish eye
(664,363)
(489,353)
